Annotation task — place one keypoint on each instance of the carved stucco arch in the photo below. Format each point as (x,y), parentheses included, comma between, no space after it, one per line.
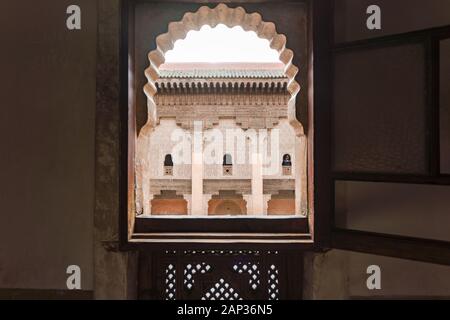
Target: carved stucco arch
(231,17)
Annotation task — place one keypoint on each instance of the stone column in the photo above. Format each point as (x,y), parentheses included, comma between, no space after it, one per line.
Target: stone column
(206,198)
(148,205)
(188,199)
(115,272)
(300,174)
(142,177)
(257,185)
(267,198)
(139,205)
(197,170)
(248,199)
(326,275)
(143,205)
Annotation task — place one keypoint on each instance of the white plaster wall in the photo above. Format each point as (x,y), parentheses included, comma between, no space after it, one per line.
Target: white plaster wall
(164,140)
(287,140)
(166,137)
(238,150)
(241,151)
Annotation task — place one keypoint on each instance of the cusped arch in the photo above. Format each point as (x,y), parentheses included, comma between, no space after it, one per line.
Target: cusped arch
(230,17)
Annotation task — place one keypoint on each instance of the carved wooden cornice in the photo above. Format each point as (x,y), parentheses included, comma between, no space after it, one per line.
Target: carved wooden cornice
(245,98)
(250,115)
(202,85)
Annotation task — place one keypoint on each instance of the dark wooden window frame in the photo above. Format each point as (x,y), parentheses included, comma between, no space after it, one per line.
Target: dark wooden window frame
(319,38)
(412,248)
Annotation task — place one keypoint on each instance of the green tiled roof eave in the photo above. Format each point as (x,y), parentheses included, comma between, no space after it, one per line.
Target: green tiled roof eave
(231,74)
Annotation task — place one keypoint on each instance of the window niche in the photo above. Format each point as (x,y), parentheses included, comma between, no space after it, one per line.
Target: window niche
(286,164)
(192,109)
(168,165)
(227,165)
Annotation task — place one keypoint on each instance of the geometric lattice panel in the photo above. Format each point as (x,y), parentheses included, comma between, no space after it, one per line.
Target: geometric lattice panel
(221,290)
(170,282)
(190,270)
(272,282)
(252,270)
(220,275)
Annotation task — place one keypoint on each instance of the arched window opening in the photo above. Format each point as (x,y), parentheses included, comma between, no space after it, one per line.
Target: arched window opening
(227,203)
(282,202)
(221,44)
(227,165)
(227,160)
(168,165)
(230,76)
(287,165)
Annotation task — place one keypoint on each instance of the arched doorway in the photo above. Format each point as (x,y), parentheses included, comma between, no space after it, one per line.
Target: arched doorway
(168,203)
(227,207)
(169,207)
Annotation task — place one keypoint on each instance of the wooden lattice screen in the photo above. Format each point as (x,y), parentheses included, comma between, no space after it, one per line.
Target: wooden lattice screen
(220,275)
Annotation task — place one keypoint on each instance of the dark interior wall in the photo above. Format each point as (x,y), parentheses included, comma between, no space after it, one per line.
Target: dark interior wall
(380,110)
(381,106)
(47,138)
(444,106)
(396,17)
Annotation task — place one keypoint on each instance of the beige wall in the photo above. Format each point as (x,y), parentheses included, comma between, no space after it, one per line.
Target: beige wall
(341,274)
(47,137)
(163,140)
